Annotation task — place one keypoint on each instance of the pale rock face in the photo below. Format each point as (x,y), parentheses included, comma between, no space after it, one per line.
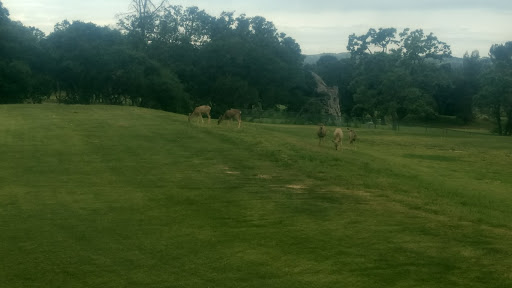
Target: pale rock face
(331,100)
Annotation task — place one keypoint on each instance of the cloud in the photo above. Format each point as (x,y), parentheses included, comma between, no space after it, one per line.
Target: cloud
(463,30)
(348,5)
(317,25)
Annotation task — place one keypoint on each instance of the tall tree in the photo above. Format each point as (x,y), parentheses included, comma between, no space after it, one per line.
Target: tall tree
(141,23)
(360,45)
(97,66)
(23,62)
(384,38)
(496,94)
(415,46)
(250,52)
(469,86)
(391,76)
(4,13)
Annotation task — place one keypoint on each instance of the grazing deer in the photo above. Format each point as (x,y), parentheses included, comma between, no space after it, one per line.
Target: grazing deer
(199,111)
(322,131)
(338,137)
(232,114)
(352,136)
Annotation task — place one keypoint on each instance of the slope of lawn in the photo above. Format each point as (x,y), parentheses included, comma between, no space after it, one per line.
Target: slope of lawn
(108,196)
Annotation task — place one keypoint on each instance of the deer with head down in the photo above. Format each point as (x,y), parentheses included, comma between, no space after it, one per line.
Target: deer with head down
(338,138)
(230,115)
(199,111)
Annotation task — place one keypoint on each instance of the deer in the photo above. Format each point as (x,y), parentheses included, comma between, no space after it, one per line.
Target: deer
(338,138)
(352,136)
(230,115)
(199,111)
(322,131)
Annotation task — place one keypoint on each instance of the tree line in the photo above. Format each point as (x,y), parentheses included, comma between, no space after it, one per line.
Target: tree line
(173,58)
(395,75)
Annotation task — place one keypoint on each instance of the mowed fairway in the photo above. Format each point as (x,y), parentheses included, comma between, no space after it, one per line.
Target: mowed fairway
(109,196)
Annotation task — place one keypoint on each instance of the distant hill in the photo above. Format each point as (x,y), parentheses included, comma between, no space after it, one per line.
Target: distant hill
(455,62)
(311,59)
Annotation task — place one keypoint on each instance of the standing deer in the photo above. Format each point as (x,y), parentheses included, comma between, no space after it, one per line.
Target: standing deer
(338,138)
(352,136)
(199,111)
(322,131)
(232,114)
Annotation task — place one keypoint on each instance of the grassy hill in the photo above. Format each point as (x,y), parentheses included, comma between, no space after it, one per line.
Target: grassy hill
(109,196)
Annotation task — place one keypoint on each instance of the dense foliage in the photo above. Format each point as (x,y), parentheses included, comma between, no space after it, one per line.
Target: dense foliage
(173,58)
(390,76)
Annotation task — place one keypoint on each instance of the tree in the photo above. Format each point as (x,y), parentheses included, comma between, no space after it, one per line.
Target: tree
(468,86)
(23,62)
(95,65)
(360,45)
(384,37)
(496,93)
(386,84)
(328,68)
(83,70)
(415,46)
(229,91)
(142,22)
(4,14)
(178,26)
(247,52)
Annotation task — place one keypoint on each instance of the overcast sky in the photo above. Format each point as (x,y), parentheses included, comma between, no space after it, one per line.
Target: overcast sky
(318,26)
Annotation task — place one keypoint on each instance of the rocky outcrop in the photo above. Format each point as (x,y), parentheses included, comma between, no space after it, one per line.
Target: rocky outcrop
(329,99)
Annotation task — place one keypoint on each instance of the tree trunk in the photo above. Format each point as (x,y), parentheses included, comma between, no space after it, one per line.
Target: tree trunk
(497,117)
(508,125)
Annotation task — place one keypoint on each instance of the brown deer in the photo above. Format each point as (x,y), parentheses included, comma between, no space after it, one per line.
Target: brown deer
(232,114)
(322,131)
(352,136)
(199,111)
(338,138)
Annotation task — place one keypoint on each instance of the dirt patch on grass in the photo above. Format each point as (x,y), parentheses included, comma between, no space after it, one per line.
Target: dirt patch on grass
(264,176)
(228,171)
(366,194)
(296,186)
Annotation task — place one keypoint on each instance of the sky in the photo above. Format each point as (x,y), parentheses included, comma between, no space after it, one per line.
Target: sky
(318,26)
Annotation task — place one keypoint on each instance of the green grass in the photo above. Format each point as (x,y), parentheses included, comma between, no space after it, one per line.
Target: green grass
(108,196)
